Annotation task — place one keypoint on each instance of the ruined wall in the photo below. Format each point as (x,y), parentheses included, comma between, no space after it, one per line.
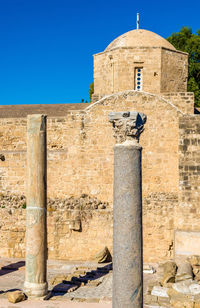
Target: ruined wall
(174,71)
(187,214)
(80,161)
(77,227)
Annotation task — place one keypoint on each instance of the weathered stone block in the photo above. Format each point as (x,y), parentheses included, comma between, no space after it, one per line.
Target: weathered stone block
(16,296)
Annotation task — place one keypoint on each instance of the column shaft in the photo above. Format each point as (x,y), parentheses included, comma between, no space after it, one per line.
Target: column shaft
(127,246)
(36,234)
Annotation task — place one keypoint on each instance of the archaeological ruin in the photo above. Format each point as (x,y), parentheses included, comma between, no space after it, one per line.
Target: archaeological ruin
(139,71)
(127,218)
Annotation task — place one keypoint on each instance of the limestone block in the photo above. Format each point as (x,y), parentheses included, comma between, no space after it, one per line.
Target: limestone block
(184,271)
(159,291)
(197,304)
(164,301)
(194,260)
(103,256)
(197,277)
(150,299)
(188,287)
(152,284)
(168,272)
(196,269)
(16,296)
(176,303)
(148,269)
(58,279)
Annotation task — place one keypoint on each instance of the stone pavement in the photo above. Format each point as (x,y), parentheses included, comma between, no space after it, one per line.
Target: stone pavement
(92,282)
(54,304)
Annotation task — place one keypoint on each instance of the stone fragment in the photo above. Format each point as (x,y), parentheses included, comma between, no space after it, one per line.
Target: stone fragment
(152,284)
(197,304)
(179,303)
(58,279)
(16,296)
(169,272)
(72,289)
(180,300)
(159,291)
(164,301)
(184,272)
(194,289)
(94,283)
(150,299)
(197,277)
(79,272)
(148,269)
(188,287)
(103,256)
(194,260)
(196,269)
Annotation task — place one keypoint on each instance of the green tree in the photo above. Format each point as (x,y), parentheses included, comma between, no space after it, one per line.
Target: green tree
(91,90)
(189,42)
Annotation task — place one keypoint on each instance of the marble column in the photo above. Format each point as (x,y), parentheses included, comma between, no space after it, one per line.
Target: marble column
(127,238)
(36,233)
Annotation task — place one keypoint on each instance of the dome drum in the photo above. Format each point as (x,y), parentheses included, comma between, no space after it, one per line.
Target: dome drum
(161,67)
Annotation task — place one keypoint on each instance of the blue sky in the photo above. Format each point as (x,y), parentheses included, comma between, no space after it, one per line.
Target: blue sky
(46,46)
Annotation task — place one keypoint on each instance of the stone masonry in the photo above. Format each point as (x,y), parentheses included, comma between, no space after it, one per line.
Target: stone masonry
(80,155)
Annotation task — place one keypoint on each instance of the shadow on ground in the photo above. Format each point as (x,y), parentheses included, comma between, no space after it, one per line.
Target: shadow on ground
(11,268)
(75,283)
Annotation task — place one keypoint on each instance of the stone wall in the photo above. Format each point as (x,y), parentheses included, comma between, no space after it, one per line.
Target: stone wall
(77,227)
(80,161)
(163,70)
(174,71)
(187,214)
(114,71)
(158,221)
(182,100)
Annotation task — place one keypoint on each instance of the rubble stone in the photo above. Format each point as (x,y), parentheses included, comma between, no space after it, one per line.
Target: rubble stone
(16,296)
(169,272)
(194,260)
(184,272)
(103,256)
(159,291)
(188,287)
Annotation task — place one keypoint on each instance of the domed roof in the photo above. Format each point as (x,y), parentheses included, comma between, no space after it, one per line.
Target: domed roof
(139,38)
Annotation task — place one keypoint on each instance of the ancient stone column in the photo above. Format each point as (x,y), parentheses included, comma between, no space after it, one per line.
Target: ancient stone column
(127,238)
(36,233)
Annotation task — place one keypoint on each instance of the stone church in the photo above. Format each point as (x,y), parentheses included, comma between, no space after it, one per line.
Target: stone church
(139,71)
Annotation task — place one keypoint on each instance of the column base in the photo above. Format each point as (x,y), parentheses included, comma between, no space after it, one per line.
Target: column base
(35,289)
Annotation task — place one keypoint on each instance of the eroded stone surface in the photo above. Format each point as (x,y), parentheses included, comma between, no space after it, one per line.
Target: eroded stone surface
(188,286)
(36,228)
(16,296)
(159,291)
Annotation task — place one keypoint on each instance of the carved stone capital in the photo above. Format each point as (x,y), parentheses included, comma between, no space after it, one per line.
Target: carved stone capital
(127,125)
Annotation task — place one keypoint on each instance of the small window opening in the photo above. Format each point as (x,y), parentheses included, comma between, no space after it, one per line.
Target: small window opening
(138,78)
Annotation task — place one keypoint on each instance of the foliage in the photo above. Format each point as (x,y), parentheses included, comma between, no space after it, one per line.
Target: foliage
(91,90)
(186,41)
(83,101)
